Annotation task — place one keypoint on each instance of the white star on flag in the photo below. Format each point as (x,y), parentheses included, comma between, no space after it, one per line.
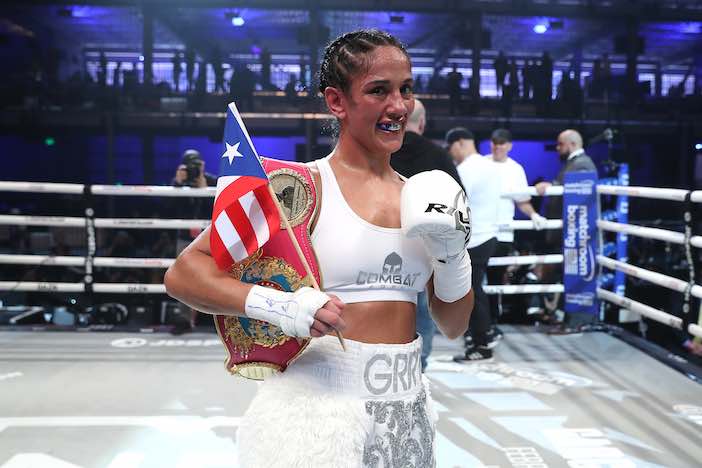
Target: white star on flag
(232,151)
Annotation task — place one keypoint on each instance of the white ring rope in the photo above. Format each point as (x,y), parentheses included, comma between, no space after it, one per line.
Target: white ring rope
(128,190)
(19,220)
(525,260)
(695,330)
(644,192)
(554,190)
(151,223)
(643,309)
(641,231)
(118,262)
(127,288)
(656,278)
(153,191)
(156,223)
(40,286)
(130,262)
(49,187)
(522,225)
(111,223)
(523,288)
(696,196)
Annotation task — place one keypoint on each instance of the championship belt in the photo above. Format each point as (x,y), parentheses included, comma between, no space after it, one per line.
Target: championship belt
(257,349)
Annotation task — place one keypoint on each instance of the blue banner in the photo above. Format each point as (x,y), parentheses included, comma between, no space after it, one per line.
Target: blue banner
(580,242)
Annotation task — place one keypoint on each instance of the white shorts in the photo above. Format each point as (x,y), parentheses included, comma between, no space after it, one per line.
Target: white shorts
(367,407)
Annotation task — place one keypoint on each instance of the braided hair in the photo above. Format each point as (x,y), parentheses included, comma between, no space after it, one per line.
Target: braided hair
(347,55)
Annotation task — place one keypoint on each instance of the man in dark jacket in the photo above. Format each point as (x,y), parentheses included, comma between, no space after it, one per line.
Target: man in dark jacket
(573,158)
(419,154)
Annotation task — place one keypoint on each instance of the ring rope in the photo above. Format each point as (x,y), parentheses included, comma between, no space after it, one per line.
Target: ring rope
(521,225)
(133,262)
(64,260)
(525,260)
(127,288)
(156,223)
(643,309)
(644,192)
(523,288)
(641,231)
(126,190)
(554,190)
(657,278)
(110,223)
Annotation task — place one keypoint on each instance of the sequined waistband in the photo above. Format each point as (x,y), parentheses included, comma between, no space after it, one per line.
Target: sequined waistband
(365,370)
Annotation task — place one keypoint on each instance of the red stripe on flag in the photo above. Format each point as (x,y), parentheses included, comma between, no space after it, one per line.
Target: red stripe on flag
(219,252)
(270,210)
(243,227)
(234,191)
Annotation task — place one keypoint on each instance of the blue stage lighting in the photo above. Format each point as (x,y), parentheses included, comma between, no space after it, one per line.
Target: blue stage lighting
(698,146)
(540,28)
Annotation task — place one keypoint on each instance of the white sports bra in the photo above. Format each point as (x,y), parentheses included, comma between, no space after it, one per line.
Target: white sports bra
(362,262)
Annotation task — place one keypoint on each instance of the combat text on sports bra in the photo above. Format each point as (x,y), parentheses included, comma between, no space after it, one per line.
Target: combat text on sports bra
(362,262)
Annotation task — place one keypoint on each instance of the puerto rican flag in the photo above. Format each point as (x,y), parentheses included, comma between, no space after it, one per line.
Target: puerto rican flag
(245,215)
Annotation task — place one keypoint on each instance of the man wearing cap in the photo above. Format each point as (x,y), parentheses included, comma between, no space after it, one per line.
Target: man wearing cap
(191,173)
(512,179)
(478,176)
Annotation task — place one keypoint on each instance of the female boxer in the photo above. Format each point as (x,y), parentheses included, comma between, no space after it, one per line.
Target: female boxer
(379,241)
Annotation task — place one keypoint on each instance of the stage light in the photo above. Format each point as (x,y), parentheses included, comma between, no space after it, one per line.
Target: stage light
(698,146)
(540,28)
(49,141)
(237,20)
(141,58)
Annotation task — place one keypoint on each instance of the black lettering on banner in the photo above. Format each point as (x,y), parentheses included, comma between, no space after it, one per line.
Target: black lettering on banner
(438,207)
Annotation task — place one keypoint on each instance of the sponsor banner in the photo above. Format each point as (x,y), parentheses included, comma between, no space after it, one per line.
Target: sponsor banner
(580,239)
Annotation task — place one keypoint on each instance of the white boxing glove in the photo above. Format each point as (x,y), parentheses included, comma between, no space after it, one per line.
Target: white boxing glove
(538,220)
(293,312)
(433,207)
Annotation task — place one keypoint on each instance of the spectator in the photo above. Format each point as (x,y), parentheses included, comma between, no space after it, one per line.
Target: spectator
(419,154)
(512,178)
(478,176)
(501,67)
(177,70)
(453,84)
(190,67)
(191,173)
(573,158)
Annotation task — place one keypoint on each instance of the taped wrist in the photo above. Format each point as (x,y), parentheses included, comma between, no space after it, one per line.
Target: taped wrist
(292,312)
(452,278)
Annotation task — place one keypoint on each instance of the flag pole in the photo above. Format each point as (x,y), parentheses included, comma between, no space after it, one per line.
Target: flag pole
(295,244)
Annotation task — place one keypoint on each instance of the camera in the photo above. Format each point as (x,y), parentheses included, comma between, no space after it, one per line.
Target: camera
(193,165)
(194,169)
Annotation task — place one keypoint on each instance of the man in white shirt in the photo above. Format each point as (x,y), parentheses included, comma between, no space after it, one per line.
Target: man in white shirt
(512,178)
(478,176)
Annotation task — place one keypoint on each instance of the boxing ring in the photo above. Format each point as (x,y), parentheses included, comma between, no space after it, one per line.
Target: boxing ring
(125,399)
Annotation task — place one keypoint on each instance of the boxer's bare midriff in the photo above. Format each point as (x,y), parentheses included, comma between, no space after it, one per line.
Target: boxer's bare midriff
(391,322)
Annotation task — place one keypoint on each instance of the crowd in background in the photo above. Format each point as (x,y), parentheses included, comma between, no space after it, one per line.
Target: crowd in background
(549,88)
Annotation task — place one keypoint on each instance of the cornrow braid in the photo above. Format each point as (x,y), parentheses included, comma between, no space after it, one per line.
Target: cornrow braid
(346,56)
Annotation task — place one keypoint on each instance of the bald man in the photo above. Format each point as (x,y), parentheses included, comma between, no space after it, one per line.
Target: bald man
(418,154)
(573,158)
(570,151)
